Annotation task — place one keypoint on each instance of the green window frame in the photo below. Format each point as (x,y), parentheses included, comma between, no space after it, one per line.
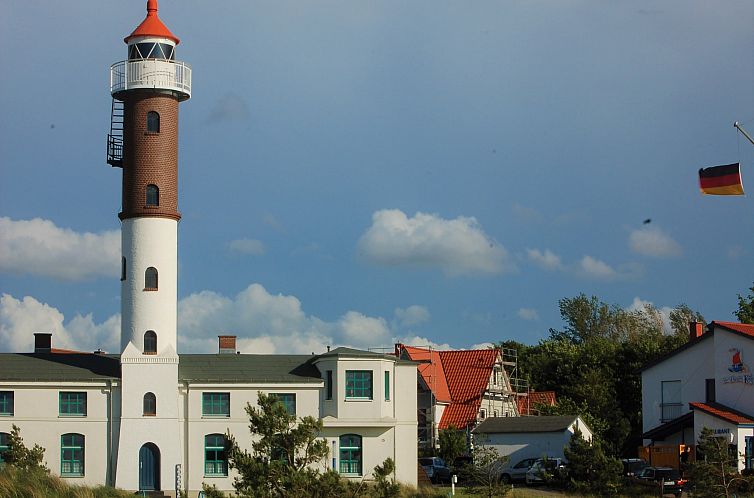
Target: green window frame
(358,384)
(288,400)
(72,404)
(350,454)
(387,386)
(216,404)
(6,404)
(72,455)
(4,444)
(215,456)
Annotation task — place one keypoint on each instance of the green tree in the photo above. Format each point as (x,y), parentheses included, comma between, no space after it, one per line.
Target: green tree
(22,457)
(745,311)
(589,469)
(452,444)
(484,471)
(281,452)
(715,472)
(680,317)
(384,483)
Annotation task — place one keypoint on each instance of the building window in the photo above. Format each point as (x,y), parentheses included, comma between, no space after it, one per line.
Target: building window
(6,403)
(216,404)
(350,454)
(153,122)
(670,405)
(709,390)
(72,455)
(288,400)
(72,404)
(150,278)
(150,342)
(153,195)
(328,386)
(150,405)
(482,414)
(215,458)
(358,384)
(4,443)
(387,386)
(748,452)
(122,268)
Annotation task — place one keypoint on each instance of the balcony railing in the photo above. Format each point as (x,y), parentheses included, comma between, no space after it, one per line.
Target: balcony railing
(151,74)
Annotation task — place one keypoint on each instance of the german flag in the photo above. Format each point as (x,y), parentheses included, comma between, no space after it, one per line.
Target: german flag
(721,180)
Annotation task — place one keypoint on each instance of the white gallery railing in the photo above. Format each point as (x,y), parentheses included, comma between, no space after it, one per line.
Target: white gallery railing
(151,73)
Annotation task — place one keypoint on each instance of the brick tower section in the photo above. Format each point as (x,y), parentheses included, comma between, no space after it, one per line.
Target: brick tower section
(150,158)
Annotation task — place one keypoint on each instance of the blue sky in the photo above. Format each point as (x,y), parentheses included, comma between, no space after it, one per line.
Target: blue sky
(357,173)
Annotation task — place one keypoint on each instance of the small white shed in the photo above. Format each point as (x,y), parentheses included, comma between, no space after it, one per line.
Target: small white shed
(530,437)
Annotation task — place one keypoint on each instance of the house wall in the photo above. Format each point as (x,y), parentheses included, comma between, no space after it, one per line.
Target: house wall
(691,367)
(37,414)
(734,389)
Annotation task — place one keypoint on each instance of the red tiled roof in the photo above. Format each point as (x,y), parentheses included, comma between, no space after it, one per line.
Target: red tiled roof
(468,372)
(431,371)
(527,403)
(741,328)
(152,26)
(723,412)
(460,415)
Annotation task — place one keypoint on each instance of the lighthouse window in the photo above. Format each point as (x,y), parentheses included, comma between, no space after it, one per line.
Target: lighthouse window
(122,268)
(153,122)
(150,342)
(150,405)
(150,278)
(151,51)
(153,195)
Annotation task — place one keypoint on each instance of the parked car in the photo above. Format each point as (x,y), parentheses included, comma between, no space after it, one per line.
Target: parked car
(632,466)
(667,478)
(517,472)
(545,466)
(436,469)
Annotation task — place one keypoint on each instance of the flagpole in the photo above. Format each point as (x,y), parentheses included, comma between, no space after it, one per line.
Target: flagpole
(738,126)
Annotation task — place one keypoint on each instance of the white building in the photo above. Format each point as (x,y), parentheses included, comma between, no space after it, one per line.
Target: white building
(707,382)
(150,418)
(530,437)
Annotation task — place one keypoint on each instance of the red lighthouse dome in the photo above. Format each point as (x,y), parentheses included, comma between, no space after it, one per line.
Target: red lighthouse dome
(152,26)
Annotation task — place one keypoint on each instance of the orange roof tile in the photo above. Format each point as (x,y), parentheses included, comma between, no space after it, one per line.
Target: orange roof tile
(152,26)
(460,415)
(431,371)
(742,328)
(468,372)
(527,403)
(723,412)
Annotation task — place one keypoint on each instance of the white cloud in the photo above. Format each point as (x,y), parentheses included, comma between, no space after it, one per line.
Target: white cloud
(458,247)
(595,268)
(358,329)
(546,259)
(21,318)
(654,242)
(413,315)
(251,247)
(423,342)
(526,214)
(528,314)
(38,247)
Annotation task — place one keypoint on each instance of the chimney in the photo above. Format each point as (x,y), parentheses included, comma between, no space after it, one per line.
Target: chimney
(42,342)
(696,329)
(227,344)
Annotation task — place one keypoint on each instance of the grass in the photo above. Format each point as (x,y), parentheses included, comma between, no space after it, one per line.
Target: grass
(15,483)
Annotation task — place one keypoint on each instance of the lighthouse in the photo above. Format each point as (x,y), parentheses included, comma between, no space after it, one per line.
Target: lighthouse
(147,88)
